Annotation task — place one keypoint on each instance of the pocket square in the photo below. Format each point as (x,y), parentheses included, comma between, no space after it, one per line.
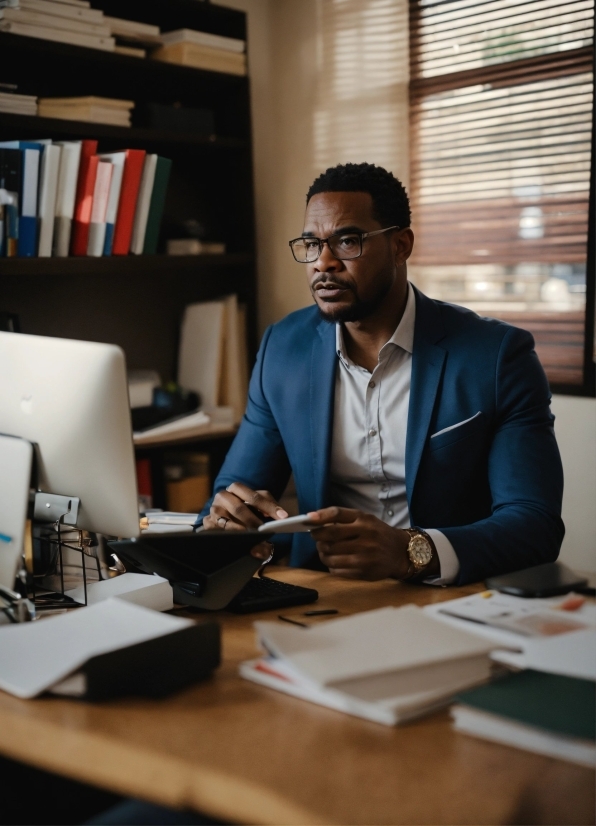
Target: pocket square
(459,424)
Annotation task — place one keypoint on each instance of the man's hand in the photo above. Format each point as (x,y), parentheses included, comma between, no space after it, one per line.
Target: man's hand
(359,546)
(234,509)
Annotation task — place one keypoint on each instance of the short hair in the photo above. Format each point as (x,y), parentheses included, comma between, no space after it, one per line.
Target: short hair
(390,200)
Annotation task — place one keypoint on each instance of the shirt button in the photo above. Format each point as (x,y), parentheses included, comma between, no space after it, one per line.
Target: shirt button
(372,432)
(371,384)
(389,512)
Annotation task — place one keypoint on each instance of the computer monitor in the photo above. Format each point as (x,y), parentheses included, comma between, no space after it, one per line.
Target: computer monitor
(70,398)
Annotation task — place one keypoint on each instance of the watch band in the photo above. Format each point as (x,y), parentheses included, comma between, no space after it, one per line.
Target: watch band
(413,570)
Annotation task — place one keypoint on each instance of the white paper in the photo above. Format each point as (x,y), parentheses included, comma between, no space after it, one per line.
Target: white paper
(35,655)
(176,428)
(148,590)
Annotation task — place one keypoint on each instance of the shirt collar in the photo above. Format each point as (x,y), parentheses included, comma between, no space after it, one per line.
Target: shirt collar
(403,335)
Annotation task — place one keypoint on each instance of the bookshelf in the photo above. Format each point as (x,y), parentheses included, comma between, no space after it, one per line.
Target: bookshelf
(137,301)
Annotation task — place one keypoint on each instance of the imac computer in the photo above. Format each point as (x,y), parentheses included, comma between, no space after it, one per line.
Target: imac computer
(70,399)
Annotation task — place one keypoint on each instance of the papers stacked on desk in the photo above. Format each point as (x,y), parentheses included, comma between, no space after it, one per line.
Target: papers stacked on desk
(388,665)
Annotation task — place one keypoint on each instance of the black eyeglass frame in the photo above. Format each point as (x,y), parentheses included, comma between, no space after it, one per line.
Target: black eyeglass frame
(321,241)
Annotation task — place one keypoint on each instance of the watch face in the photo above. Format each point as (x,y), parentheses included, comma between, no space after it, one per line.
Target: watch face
(420,551)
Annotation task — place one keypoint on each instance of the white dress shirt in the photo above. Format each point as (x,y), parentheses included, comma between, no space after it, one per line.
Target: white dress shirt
(368,452)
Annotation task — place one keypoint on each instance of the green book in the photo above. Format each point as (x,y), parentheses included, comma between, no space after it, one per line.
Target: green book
(156,205)
(547,713)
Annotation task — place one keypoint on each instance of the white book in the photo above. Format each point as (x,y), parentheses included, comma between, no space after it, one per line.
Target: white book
(30,182)
(97,226)
(381,654)
(143,204)
(182,428)
(147,590)
(215,41)
(200,358)
(58,35)
(34,656)
(48,187)
(66,190)
(389,666)
(61,9)
(53,21)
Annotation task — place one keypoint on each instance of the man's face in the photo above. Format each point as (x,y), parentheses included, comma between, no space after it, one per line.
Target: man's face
(348,290)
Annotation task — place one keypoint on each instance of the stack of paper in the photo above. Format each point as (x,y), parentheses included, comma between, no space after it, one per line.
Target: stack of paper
(388,665)
(202,50)
(111,111)
(65,21)
(18,104)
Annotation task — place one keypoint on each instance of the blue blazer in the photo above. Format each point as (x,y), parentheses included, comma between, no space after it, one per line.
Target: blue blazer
(493,485)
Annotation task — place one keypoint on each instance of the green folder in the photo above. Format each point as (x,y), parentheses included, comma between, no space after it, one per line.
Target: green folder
(158,197)
(560,705)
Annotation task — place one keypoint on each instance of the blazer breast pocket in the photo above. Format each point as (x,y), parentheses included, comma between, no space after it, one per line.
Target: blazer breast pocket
(457,432)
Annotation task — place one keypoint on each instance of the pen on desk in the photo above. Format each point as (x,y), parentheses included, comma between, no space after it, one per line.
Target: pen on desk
(294,622)
(321,612)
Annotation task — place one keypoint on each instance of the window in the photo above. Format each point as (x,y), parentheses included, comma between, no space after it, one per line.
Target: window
(501,108)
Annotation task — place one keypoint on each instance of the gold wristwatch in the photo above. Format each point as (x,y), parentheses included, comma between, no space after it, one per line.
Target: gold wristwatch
(420,551)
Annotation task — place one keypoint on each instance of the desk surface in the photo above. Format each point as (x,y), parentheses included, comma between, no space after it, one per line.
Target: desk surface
(248,754)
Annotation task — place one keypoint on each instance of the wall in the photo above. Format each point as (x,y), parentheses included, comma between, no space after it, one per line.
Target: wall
(329,84)
(575,427)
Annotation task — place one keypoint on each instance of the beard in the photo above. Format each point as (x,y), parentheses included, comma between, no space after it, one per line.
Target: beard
(358,310)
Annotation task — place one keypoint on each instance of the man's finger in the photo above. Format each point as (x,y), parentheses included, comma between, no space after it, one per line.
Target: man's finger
(227,504)
(259,499)
(333,514)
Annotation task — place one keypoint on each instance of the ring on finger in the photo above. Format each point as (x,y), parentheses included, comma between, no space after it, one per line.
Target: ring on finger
(222,522)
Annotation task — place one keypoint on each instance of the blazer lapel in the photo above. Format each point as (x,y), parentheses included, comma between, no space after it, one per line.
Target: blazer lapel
(427,368)
(322,394)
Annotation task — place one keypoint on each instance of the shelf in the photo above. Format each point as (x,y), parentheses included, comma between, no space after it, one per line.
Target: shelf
(117,265)
(18,125)
(39,50)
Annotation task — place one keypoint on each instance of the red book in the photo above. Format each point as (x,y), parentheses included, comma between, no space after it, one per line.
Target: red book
(84,198)
(129,191)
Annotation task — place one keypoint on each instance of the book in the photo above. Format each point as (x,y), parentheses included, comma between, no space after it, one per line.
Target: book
(11,165)
(48,187)
(201,57)
(93,109)
(15,104)
(201,353)
(215,41)
(130,51)
(117,160)
(97,223)
(543,713)
(27,231)
(36,18)
(59,35)
(388,665)
(84,198)
(156,206)
(143,204)
(65,196)
(129,190)
(133,30)
(74,11)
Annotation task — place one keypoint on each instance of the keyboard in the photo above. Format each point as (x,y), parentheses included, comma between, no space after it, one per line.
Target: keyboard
(263,594)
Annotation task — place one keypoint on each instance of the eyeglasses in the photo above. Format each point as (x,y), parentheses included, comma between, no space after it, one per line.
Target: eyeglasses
(343,245)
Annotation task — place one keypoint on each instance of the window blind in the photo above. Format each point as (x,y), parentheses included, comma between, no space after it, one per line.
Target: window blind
(501,98)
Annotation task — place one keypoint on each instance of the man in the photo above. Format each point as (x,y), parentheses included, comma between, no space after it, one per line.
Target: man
(418,433)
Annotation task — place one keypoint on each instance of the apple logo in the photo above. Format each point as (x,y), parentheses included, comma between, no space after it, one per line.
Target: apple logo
(27,405)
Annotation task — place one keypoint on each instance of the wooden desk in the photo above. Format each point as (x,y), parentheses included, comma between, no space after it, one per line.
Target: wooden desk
(248,754)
